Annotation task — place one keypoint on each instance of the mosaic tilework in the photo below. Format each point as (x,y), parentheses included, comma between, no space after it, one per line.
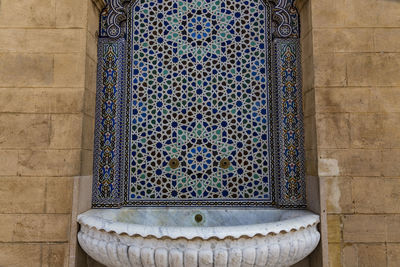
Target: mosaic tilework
(289,122)
(200,96)
(210,89)
(107,184)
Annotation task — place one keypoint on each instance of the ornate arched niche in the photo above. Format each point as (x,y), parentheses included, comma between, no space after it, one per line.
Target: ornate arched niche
(199,104)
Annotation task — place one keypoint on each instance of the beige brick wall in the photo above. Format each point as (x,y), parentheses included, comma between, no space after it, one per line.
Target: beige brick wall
(47,49)
(356,67)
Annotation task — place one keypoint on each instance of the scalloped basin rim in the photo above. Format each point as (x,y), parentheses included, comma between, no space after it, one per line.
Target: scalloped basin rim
(109,220)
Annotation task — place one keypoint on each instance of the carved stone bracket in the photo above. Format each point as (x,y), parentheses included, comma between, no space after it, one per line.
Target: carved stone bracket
(284,15)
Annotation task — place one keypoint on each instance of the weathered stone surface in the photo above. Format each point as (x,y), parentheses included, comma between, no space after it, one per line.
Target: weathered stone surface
(385,39)
(371,255)
(59,194)
(350,162)
(38,100)
(88,132)
(385,99)
(391,162)
(49,162)
(364,228)
(340,40)
(334,229)
(377,69)
(334,255)
(41,40)
(366,130)
(26,70)
(66,131)
(393,228)
(69,70)
(326,13)
(369,194)
(27,13)
(22,194)
(24,130)
(333,130)
(34,227)
(9,162)
(339,196)
(342,99)
(11,255)
(330,70)
(54,255)
(393,255)
(71,13)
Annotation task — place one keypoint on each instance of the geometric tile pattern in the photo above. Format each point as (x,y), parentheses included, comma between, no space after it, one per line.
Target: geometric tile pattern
(199,103)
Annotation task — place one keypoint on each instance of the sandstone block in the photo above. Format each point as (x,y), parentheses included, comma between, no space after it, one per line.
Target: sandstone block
(90,103)
(343,40)
(393,255)
(391,162)
(66,131)
(366,130)
(37,100)
(59,194)
(369,194)
(391,130)
(309,103)
(364,228)
(49,162)
(330,70)
(10,255)
(342,99)
(353,162)
(385,99)
(24,130)
(334,255)
(71,13)
(392,195)
(333,130)
(372,255)
(27,13)
(69,70)
(373,69)
(350,255)
(91,74)
(387,39)
(22,194)
(26,70)
(41,40)
(87,162)
(310,132)
(338,192)
(88,132)
(9,162)
(34,227)
(54,255)
(334,229)
(393,228)
(326,13)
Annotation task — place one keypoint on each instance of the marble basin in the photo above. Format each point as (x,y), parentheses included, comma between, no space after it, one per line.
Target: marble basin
(198,237)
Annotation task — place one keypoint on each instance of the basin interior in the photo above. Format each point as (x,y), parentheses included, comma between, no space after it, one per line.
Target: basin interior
(205,217)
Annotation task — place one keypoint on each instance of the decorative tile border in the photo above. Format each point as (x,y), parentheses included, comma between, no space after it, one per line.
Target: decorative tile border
(113,138)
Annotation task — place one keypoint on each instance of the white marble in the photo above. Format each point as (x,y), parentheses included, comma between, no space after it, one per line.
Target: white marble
(173,237)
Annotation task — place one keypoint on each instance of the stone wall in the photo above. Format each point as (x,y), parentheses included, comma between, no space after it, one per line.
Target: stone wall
(47,85)
(356,91)
(351,88)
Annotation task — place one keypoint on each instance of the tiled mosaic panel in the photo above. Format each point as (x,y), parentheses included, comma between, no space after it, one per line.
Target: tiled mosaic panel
(290,124)
(107,186)
(199,102)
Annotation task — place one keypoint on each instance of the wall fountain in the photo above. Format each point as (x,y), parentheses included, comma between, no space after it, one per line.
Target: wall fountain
(199,156)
